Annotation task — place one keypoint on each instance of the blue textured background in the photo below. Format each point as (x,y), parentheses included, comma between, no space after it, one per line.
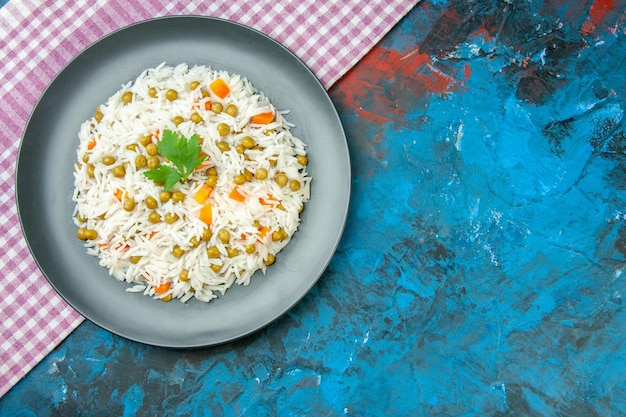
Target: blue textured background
(482,267)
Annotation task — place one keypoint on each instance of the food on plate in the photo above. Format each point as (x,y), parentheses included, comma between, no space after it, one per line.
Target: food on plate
(188,180)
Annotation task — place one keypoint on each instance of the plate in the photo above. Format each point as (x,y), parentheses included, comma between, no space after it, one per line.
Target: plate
(44,180)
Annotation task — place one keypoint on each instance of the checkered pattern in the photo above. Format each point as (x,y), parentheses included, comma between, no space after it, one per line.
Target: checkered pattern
(36,41)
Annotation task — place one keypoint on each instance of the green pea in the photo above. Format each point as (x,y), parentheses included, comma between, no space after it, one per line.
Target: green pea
(118,171)
(171,95)
(269,260)
(108,160)
(223,146)
(281,179)
(223,235)
(207,234)
(151,203)
(302,159)
(294,185)
(91,234)
(152,149)
(261,173)
(177,251)
(98,115)
(223,129)
(141,161)
(153,162)
(184,275)
(211,180)
(231,110)
(145,140)
(213,252)
(129,204)
(171,218)
(154,217)
(127,97)
(247,142)
(196,118)
(239,179)
(216,107)
(178,196)
(165,196)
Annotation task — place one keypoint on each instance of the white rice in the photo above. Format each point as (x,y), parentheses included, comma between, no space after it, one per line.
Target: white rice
(124,235)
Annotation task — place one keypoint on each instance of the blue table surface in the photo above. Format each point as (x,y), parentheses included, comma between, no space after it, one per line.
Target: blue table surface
(482,267)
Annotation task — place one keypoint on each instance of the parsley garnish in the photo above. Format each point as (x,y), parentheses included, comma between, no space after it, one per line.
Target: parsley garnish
(185,155)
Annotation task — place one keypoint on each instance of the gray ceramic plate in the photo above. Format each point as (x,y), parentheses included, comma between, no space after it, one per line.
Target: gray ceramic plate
(45,182)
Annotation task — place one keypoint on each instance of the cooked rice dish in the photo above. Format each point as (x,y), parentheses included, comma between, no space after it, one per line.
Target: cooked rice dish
(188,180)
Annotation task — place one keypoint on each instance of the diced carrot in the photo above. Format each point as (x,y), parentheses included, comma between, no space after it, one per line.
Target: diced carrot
(236,195)
(203,193)
(122,246)
(205,164)
(206,214)
(160,289)
(207,105)
(263,118)
(91,144)
(220,88)
(119,194)
(269,202)
(263,230)
(152,234)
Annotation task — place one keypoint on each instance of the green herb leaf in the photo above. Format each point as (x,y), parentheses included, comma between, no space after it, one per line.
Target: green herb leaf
(185,154)
(164,174)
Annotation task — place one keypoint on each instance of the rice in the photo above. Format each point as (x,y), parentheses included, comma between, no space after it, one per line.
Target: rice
(182,255)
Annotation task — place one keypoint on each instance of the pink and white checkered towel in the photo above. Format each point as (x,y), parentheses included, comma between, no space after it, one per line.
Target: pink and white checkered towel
(38,38)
